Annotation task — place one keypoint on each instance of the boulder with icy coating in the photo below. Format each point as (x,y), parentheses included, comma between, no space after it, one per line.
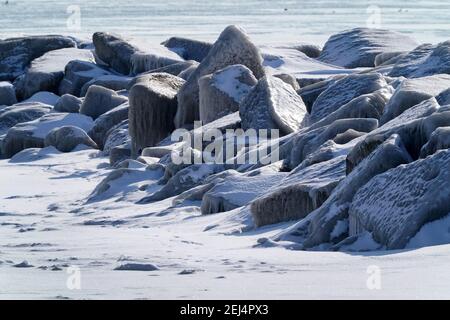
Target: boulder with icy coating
(343,91)
(289,79)
(67,138)
(118,137)
(298,194)
(311,92)
(359,47)
(17,53)
(22,112)
(444,98)
(273,104)
(412,92)
(32,134)
(77,74)
(425,60)
(113,82)
(68,103)
(439,140)
(45,73)
(394,206)
(104,123)
(188,49)
(100,100)
(153,105)
(232,47)
(7,94)
(222,92)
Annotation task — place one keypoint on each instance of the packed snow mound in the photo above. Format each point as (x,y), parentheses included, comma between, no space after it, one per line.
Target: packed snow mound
(32,134)
(188,49)
(7,94)
(17,53)
(67,138)
(343,91)
(425,60)
(232,47)
(359,47)
(220,93)
(46,72)
(273,104)
(395,205)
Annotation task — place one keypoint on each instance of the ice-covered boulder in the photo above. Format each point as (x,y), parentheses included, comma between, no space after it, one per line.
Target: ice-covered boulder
(329,223)
(412,92)
(311,92)
(32,134)
(173,69)
(273,104)
(113,82)
(118,143)
(394,205)
(388,58)
(343,91)
(188,49)
(77,74)
(439,140)
(186,73)
(232,47)
(22,112)
(46,72)
(298,194)
(425,60)
(444,98)
(311,50)
(100,100)
(153,105)
(359,47)
(104,123)
(17,53)
(7,94)
(289,79)
(222,92)
(67,138)
(68,103)
(44,97)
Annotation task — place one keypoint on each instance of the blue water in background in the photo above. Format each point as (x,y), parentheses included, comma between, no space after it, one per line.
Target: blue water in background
(266,21)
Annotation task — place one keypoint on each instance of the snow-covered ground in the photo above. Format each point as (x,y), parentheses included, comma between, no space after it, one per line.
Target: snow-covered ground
(46,220)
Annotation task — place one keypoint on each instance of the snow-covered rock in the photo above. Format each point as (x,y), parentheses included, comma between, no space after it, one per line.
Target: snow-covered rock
(188,49)
(232,47)
(46,72)
(77,74)
(388,58)
(118,143)
(311,92)
(100,100)
(104,123)
(273,104)
(22,112)
(289,79)
(7,94)
(113,82)
(32,134)
(173,69)
(439,140)
(68,103)
(153,105)
(359,47)
(222,92)
(298,194)
(311,50)
(425,60)
(343,91)
(17,53)
(412,92)
(186,73)
(44,97)
(444,98)
(394,206)
(67,138)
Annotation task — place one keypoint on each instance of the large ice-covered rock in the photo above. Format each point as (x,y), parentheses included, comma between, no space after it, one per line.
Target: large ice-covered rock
(104,123)
(329,223)
(444,98)
(222,92)
(412,92)
(232,47)
(188,49)
(298,194)
(68,103)
(153,105)
(175,69)
(273,104)
(17,53)
(394,206)
(311,92)
(359,47)
(67,138)
(32,134)
(44,97)
(46,72)
(425,60)
(99,100)
(343,91)
(77,74)
(113,82)
(7,94)
(118,143)
(289,79)
(439,140)
(22,112)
